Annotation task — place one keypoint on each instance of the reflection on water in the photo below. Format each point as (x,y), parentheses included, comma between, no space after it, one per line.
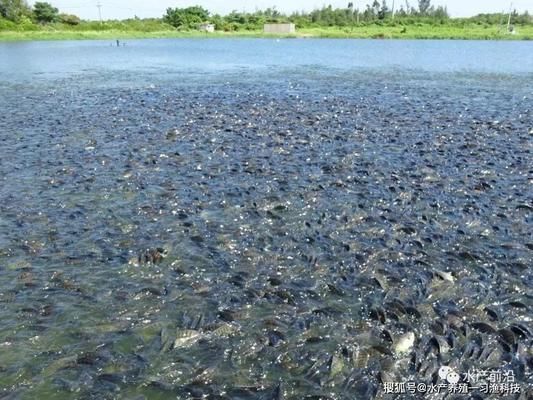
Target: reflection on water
(173,226)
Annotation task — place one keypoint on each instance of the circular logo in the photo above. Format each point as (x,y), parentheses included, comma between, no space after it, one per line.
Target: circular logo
(448,374)
(444,371)
(453,378)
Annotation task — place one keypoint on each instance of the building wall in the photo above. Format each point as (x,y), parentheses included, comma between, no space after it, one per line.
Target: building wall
(279,28)
(207,27)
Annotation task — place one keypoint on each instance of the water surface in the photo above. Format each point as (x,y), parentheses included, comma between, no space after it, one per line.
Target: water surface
(262,219)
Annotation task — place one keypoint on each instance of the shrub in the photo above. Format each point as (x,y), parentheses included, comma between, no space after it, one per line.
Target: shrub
(6,25)
(26,24)
(69,19)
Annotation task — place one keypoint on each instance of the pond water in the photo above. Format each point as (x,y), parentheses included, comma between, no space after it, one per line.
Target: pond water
(263,219)
(27,60)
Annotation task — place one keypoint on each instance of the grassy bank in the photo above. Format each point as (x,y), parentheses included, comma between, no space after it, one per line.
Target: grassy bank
(419,31)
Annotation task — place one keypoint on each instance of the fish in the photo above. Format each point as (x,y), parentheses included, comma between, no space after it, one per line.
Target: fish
(404,343)
(186,338)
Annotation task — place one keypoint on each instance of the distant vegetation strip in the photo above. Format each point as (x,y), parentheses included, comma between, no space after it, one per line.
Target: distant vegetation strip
(43,21)
(367,32)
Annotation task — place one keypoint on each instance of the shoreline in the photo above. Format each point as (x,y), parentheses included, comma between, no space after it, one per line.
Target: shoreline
(367,32)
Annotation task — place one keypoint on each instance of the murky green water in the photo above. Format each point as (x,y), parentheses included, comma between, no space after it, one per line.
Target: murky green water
(176,227)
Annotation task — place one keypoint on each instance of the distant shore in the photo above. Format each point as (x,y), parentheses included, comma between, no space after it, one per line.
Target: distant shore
(469,32)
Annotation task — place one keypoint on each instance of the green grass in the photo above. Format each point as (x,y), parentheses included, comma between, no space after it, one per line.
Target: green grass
(119,34)
(422,31)
(415,31)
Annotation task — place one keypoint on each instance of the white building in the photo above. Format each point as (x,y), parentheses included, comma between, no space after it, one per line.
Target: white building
(279,28)
(206,27)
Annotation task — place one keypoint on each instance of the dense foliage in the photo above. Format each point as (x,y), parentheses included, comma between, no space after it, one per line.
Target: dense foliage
(189,18)
(186,18)
(45,13)
(375,13)
(69,19)
(14,10)
(16,15)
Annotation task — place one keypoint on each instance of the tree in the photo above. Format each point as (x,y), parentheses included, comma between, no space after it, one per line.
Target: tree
(375,7)
(14,10)
(45,13)
(441,13)
(186,18)
(424,6)
(383,11)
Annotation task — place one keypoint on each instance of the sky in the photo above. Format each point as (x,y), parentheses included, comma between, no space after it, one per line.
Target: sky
(121,9)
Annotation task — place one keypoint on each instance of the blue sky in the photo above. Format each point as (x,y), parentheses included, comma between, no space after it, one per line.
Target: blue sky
(118,9)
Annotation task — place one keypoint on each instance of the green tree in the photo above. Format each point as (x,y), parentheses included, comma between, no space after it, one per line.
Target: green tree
(441,13)
(14,10)
(375,7)
(45,13)
(383,11)
(424,6)
(186,18)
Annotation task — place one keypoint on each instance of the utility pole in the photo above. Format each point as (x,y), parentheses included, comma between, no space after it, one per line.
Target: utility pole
(392,9)
(99,6)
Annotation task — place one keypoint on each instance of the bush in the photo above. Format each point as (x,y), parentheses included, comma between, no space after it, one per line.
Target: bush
(231,27)
(6,25)
(26,24)
(69,19)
